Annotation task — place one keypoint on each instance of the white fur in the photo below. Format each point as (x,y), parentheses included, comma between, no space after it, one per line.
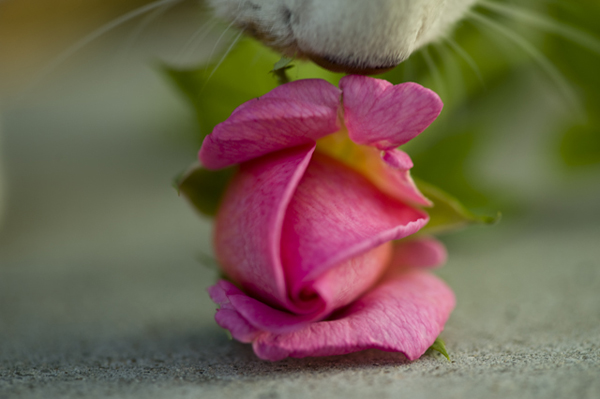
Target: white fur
(357,33)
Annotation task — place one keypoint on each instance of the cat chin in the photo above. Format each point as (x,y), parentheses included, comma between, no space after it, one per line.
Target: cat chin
(354,36)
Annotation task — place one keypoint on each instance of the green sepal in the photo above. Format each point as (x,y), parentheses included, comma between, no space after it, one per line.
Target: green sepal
(283,63)
(280,70)
(447,213)
(204,188)
(209,262)
(439,346)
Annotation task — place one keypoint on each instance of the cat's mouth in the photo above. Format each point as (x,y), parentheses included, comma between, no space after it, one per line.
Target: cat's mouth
(331,63)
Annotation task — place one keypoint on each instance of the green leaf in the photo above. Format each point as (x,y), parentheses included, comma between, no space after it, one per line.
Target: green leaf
(447,212)
(440,347)
(204,188)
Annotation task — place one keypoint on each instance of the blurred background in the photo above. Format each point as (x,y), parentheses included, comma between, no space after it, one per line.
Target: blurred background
(100,258)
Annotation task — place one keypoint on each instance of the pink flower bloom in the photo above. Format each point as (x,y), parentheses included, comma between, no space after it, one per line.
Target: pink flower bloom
(305,229)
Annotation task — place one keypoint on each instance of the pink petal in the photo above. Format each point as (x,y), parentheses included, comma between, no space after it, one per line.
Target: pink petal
(239,328)
(337,287)
(422,252)
(380,114)
(246,317)
(296,113)
(397,159)
(334,238)
(248,225)
(395,178)
(315,91)
(335,215)
(342,284)
(227,317)
(404,314)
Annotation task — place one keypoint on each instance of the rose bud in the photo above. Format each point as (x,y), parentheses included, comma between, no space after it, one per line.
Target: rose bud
(313,230)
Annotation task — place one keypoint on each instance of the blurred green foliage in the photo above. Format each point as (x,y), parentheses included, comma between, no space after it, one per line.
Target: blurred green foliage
(580,143)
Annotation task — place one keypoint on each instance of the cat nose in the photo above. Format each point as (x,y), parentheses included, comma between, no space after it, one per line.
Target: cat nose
(336,66)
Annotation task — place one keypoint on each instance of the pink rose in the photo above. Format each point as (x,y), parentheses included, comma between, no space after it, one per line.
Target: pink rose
(306,226)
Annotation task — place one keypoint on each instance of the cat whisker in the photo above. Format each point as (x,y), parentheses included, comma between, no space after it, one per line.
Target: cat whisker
(260,53)
(86,40)
(233,43)
(462,53)
(212,53)
(435,72)
(546,24)
(544,63)
(144,23)
(452,69)
(197,37)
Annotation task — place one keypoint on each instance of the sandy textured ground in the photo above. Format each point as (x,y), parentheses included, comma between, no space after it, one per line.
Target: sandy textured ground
(102,293)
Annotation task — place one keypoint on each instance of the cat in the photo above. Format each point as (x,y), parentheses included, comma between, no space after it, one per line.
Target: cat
(352,36)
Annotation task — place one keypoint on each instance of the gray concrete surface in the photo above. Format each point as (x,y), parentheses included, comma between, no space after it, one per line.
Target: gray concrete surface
(102,293)
(526,326)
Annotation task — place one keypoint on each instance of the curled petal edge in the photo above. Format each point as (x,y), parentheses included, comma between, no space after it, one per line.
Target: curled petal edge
(380,114)
(405,313)
(293,114)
